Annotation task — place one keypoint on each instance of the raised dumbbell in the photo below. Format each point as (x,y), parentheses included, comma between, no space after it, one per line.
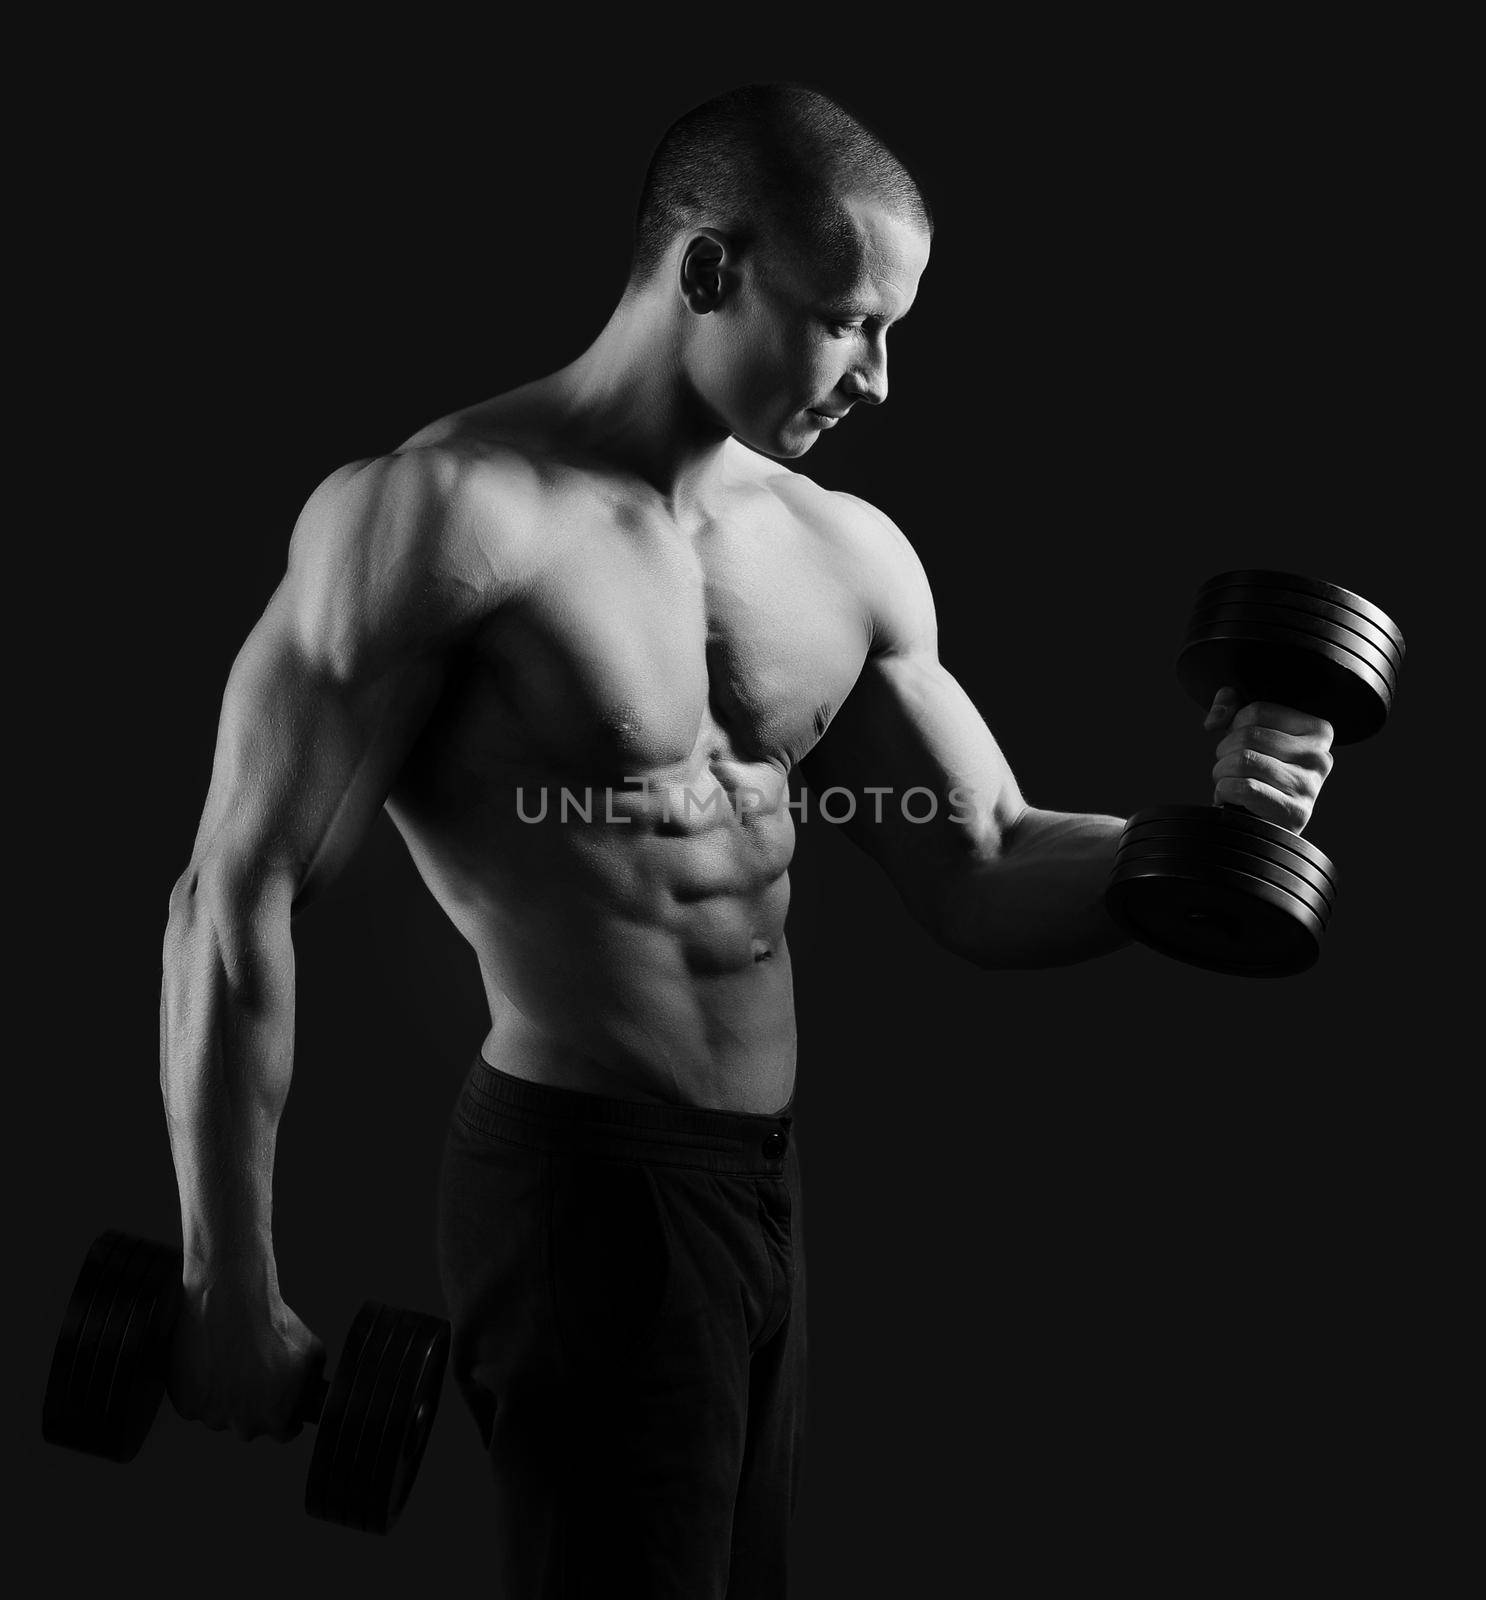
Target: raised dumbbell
(372,1418)
(1213,885)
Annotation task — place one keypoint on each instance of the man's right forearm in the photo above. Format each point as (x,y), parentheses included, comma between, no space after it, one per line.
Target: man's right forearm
(226,1058)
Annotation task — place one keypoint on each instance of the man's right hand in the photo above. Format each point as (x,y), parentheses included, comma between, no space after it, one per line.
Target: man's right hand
(243,1360)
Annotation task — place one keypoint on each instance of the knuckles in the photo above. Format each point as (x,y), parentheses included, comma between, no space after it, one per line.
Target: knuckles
(1264,800)
(1264,714)
(1255,738)
(1247,716)
(1261,748)
(1246,762)
(1269,716)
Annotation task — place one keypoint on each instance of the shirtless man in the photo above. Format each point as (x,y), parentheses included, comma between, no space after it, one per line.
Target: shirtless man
(612,582)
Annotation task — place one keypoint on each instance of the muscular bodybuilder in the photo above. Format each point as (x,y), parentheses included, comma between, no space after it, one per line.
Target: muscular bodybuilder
(574,639)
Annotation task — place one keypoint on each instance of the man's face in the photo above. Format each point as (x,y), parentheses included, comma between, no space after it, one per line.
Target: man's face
(794,347)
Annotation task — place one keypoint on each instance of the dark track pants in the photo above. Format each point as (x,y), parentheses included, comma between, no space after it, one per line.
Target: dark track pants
(626,1283)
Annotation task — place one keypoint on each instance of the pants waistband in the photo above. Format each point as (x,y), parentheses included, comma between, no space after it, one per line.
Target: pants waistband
(495,1105)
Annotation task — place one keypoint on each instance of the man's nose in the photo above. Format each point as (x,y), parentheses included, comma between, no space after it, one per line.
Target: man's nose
(867,381)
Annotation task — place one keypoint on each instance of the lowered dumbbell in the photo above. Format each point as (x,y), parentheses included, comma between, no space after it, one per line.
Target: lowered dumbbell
(1213,885)
(372,1418)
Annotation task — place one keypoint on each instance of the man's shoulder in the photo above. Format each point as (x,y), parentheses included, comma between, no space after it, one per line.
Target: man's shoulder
(429,497)
(868,527)
(416,544)
(872,553)
(841,517)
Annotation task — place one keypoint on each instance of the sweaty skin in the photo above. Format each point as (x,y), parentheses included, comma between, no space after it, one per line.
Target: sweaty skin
(609,583)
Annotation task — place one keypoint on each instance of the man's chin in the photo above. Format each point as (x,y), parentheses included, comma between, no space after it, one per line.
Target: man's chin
(782,446)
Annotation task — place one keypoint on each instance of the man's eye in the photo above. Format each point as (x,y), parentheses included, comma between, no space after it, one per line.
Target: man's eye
(843,330)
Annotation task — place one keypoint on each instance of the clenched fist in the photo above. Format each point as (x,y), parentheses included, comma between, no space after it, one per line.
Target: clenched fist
(1271,761)
(242,1359)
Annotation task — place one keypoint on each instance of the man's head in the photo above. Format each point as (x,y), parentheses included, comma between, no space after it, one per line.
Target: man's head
(786,238)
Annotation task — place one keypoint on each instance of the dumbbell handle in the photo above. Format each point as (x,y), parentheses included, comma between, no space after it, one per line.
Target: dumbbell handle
(312,1401)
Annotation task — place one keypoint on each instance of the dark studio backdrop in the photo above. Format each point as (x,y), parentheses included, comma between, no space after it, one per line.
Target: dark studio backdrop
(1112,1266)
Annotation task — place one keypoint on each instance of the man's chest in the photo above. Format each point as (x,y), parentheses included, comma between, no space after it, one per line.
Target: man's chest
(637,649)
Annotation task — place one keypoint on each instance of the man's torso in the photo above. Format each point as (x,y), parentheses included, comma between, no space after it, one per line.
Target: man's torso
(599,799)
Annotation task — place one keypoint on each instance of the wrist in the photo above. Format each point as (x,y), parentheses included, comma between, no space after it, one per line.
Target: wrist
(243,1269)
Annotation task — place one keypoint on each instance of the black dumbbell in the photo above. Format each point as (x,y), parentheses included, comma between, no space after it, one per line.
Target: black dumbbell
(1213,885)
(373,1418)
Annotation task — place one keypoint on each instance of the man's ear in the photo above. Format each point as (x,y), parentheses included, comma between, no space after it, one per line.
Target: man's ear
(708,272)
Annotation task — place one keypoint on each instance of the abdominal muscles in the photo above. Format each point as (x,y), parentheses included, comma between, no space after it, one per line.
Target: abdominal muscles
(630,933)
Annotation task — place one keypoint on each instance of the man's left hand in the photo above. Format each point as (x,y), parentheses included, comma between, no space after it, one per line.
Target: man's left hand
(1271,761)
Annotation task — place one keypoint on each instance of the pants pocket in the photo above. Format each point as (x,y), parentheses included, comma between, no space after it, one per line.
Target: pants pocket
(776,1217)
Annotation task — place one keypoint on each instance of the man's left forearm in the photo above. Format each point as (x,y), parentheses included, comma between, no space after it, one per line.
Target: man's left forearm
(1039,901)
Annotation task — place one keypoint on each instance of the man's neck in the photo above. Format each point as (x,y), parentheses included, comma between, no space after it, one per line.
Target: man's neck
(630,396)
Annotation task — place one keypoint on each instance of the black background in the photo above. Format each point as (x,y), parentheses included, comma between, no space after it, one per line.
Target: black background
(1125,1268)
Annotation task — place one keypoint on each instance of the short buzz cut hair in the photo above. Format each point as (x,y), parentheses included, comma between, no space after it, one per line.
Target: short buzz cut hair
(768,159)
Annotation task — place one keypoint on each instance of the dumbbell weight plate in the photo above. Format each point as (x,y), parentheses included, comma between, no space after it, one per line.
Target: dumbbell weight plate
(1225,817)
(61,1416)
(1211,917)
(376,1418)
(137,1384)
(1307,628)
(1276,664)
(1220,826)
(339,1430)
(108,1374)
(1300,623)
(367,1415)
(1333,593)
(1372,649)
(1176,856)
(1322,611)
(409,1421)
(1264,858)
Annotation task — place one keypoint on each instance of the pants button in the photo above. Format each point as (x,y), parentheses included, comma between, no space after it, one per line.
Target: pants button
(774,1144)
